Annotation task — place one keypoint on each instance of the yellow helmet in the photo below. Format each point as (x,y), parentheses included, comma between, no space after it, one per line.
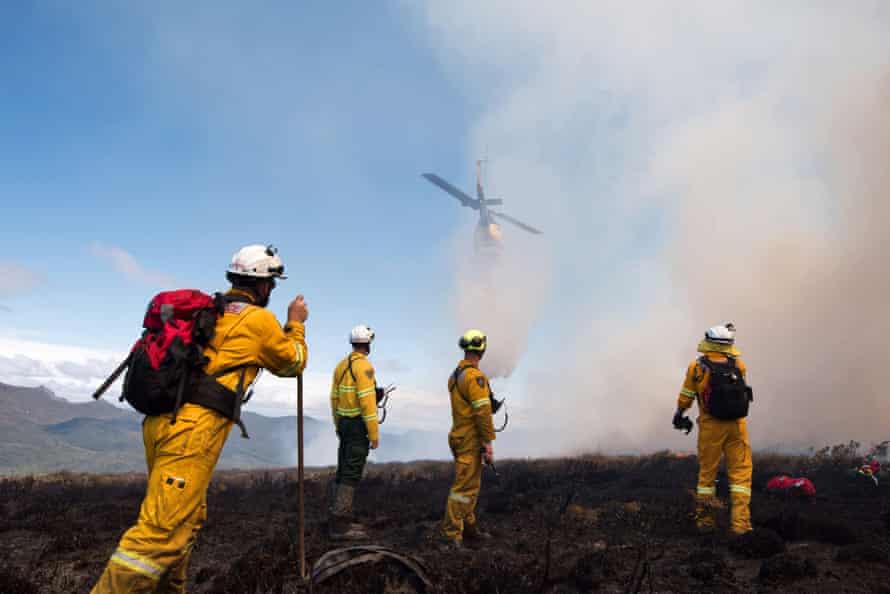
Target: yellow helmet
(473,340)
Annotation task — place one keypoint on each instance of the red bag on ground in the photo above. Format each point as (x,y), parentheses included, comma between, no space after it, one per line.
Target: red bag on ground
(799,487)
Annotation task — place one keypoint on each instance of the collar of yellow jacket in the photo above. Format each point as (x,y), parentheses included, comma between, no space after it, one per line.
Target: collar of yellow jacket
(466,363)
(357,355)
(706,346)
(249,296)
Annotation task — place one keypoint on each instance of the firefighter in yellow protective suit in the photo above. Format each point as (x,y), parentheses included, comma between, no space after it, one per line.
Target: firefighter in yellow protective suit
(718,436)
(354,409)
(153,554)
(472,432)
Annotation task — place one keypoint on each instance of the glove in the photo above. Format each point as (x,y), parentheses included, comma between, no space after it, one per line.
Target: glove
(681,423)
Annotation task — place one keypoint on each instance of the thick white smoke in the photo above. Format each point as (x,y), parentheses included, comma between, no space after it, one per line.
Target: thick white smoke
(693,163)
(495,293)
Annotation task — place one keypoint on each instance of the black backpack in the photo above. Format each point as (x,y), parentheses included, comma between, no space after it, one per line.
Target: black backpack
(728,396)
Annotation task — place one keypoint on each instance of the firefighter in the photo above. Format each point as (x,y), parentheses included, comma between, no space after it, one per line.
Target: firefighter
(153,554)
(472,432)
(717,381)
(354,409)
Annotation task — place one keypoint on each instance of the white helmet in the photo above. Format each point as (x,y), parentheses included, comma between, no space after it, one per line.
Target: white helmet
(361,334)
(257,261)
(724,334)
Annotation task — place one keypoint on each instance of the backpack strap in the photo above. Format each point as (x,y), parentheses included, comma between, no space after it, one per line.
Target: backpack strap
(349,369)
(211,394)
(711,365)
(456,378)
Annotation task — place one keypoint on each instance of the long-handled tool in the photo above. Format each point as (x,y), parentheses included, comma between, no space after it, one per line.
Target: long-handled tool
(302,544)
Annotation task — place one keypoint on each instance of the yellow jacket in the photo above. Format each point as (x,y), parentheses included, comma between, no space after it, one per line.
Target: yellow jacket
(697,378)
(470,404)
(250,335)
(355,394)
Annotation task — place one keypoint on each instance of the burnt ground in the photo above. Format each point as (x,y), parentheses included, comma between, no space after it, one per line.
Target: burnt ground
(587,524)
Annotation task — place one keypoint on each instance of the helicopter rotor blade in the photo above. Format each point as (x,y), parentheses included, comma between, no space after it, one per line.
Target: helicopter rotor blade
(519,224)
(463,198)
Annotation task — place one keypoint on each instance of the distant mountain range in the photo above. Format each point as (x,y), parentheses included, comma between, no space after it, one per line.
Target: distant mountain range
(40,432)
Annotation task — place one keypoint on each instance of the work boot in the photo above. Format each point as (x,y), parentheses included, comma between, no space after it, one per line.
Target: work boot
(473,532)
(343,529)
(705,514)
(451,545)
(341,526)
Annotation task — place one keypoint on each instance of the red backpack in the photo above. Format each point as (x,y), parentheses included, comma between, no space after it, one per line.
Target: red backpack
(167,362)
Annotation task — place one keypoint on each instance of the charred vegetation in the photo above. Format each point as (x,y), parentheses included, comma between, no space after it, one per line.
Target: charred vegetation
(586,524)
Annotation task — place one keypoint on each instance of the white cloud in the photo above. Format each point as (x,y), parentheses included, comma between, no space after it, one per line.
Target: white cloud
(125,263)
(69,371)
(75,372)
(16,279)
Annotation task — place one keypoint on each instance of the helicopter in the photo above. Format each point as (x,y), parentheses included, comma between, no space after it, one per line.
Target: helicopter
(488,232)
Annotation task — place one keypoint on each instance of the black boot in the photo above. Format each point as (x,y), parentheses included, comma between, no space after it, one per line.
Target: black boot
(474,532)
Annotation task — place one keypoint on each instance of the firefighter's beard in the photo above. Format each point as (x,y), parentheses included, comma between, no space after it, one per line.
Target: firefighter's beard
(262,295)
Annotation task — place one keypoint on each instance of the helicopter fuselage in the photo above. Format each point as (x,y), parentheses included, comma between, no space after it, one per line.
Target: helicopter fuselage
(488,233)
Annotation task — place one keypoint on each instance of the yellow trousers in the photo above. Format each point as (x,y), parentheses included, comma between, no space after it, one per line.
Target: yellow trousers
(460,508)
(715,439)
(152,556)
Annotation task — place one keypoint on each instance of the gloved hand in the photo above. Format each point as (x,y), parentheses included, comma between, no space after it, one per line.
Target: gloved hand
(487,452)
(682,423)
(382,393)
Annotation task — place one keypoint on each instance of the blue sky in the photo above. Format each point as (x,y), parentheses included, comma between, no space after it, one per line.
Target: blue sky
(140,145)
(109,138)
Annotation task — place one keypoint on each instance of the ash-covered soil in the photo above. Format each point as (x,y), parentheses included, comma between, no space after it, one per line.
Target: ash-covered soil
(587,524)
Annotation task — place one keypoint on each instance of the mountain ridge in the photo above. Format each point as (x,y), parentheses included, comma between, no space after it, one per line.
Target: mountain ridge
(42,433)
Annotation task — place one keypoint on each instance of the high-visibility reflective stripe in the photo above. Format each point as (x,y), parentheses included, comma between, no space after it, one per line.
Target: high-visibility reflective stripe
(688,393)
(137,563)
(301,354)
(480,403)
(706,490)
(366,392)
(349,412)
(739,489)
(294,368)
(370,417)
(346,388)
(459,498)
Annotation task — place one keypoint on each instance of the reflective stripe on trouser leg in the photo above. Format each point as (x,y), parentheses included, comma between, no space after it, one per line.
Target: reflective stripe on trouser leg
(739,468)
(137,563)
(181,459)
(461,503)
(711,435)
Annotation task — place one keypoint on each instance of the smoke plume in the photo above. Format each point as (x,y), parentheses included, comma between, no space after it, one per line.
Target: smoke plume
(693,164)
(495,294)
